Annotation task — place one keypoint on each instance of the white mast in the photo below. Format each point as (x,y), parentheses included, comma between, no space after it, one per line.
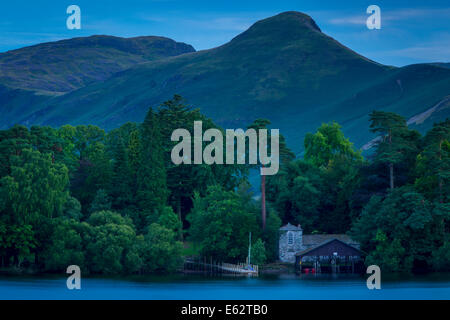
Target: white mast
(249,247)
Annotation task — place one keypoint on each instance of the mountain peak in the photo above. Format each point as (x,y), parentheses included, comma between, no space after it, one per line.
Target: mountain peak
(293,18)
(283,27)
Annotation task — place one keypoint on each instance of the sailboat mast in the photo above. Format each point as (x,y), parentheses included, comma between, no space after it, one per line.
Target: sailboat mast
(249,247)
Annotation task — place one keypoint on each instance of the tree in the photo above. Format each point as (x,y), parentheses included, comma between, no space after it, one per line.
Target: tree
(270,235)
(327,144)
(433,163)
(72,209)
(184,180)
(15,241)
(389,255)
(161,253)
(134,160)
(258,253)
(169,220)
(65,246)
(399,231)
(101,202)
(152,187)
(109,239)
(35,187)
(12,142)
(297,194)
(121,180)
(220,224)
(441,257)
(259,124)
(395,141)
(93,173)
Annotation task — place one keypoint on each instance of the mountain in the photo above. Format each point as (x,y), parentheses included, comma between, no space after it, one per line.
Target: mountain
(62,66)
(442,64)
(282,68)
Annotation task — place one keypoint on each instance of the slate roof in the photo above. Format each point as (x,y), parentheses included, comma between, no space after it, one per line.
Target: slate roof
(305,252)
(290,227)
(313,240)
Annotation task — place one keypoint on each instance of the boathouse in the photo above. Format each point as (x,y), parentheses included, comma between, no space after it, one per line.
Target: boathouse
(319,252)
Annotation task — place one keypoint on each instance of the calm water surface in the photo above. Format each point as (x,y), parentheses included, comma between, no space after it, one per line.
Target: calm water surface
(435,286)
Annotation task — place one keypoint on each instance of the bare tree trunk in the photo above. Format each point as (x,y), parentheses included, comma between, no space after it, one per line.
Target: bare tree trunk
(391,175)
(263,201)
(179,217)
(391,165)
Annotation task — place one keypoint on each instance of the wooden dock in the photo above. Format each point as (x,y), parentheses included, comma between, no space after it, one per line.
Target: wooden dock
(202,266)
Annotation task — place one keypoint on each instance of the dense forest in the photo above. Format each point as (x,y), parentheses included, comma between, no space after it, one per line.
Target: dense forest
(113,202)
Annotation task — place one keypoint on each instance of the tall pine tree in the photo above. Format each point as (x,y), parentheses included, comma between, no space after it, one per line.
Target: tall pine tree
(121,178)
(152,186)
(396,141)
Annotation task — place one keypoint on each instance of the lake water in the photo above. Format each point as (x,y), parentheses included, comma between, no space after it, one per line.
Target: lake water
(179,287)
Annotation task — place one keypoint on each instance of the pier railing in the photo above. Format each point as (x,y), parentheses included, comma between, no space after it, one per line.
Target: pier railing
(212,267)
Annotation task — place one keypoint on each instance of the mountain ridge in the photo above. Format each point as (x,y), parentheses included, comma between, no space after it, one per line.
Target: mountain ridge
(58,67)
(282,68)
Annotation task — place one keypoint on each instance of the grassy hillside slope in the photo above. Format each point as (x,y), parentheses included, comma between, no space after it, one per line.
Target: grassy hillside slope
(282,68)
(62,66)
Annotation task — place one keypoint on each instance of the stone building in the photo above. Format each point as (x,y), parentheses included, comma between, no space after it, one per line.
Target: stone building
(290,242)
(293,243)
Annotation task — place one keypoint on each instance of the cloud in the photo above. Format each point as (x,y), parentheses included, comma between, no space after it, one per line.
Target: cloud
(425,53)
(349,20)
(436,49)
(392,15)
(220,23)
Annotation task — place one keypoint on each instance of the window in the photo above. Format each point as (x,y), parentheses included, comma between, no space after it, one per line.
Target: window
(290,238)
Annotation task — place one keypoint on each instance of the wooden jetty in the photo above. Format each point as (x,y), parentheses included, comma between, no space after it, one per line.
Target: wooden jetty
(211,267)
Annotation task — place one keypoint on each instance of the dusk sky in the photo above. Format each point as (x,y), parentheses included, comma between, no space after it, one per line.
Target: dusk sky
(411,31)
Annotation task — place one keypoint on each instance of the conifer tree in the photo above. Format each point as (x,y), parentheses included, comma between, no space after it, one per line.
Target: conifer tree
(436,157)
(395,140)
(121,177)
(152,186)
(134,161)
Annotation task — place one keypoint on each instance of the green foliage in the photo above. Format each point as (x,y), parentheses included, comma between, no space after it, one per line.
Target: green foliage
(389,255)
(433,163)
(107,202)
(161,252)
(398,231)
(152,188)
(93,171)
(16,240)
(270,236)
(65,246)
(316,192)
(184,180)
(121,181)
(101,202)
(109,239)
(296,193)
(397,143)
(327,144)
(220,225)
(441,257)
(72,209)
(258,253)
(169,220)
(35,187)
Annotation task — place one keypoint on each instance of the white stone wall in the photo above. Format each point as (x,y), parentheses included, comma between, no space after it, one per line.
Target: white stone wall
(287,251)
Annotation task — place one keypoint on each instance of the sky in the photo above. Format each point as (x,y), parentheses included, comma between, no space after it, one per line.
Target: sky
(411,31)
